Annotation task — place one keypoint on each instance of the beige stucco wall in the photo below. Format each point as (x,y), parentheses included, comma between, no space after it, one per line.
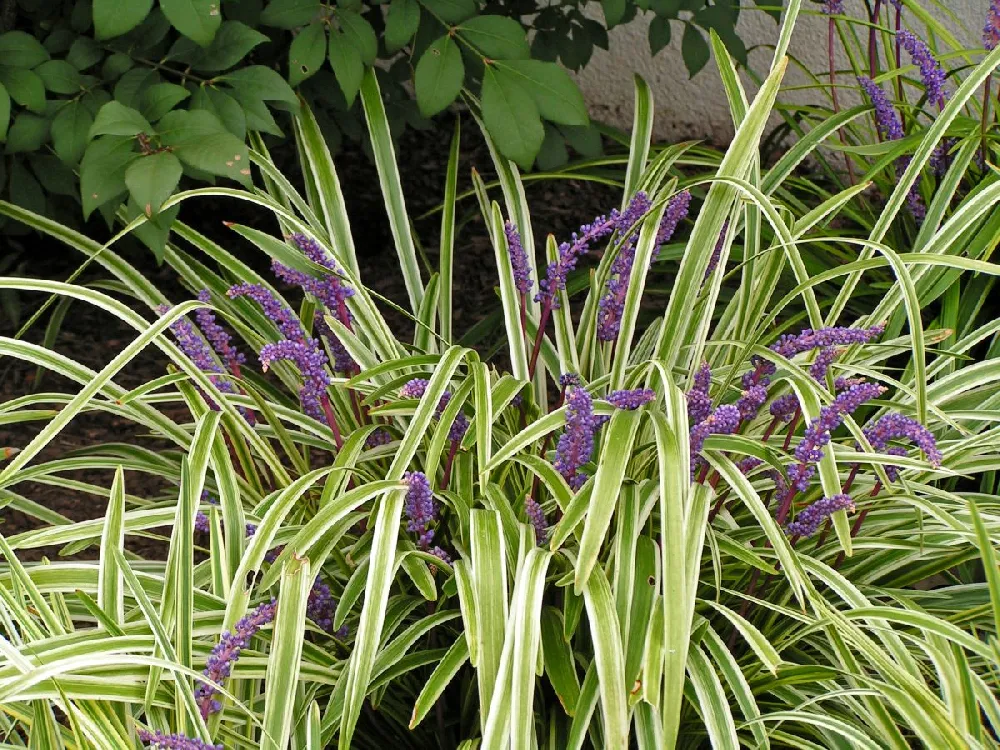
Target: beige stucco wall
(696,108)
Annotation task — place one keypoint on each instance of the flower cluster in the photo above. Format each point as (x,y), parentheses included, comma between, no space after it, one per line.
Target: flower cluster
(518,258)
(577,441)
(537,517)
(832,7)
(159,741)
(415,389)
(991,30)
(320,608)
(895,426)
(631,400)
(227,651)
(931,72)
(420,508)
(699,403)
(217,336)
(717,251)
(675,212)
(810,518)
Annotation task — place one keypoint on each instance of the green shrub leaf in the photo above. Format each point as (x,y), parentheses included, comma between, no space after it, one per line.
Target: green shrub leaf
(359,34)
(511,116)
(262,83)
(115,17)
(307,53)
(159,99)
(555,94)
(289,14)
(115,118)
(60,77)
(102,171)
(25,87)
(4,113)
(451,11)
(151,179)
(198,20)
(200,140)
(84,53)
(27,133)
(21,50)
(694,49)
(496,37)
(614,11)
(70,128)
(659,34)
(232,43)
(439,76)
(347,64)
(401,23)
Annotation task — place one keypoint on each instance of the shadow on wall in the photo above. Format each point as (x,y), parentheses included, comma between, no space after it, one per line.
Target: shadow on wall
(696,108)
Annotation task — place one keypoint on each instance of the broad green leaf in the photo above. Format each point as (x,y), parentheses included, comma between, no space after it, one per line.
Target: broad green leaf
(359,34)
(24,86)
(289,14)
(60,77)
(21,50)
(232,42)
(27,133)
(439,76)
(198,20)
(659,34)
(306,53)
(401,24)
(263,83)
(200,140)
(511,116)
(152,178)
(102,171)
(555,94)
(347,64)
(450,11)
(694,49)
(70,127)
(4,113)
(614,12)
(115,118)
(160,98)
(496,37)
(115,17)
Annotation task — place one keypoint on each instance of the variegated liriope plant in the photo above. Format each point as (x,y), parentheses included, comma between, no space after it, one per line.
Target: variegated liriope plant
(711,531)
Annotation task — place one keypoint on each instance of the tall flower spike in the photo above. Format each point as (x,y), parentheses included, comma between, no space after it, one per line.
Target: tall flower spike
(886,119)
(577,441)
(810,518)
(631,400)
(159,741)
(675,212)
(895,426)
(717,252)
(822,363)
(311,362)
(791,344)
(991,30)
(419,507)
(537,517)
(279,313)
(931,72)
(413,388)
(518,258)
(217,336)
(833,7)
(725,420)
(227,651)
(699,403)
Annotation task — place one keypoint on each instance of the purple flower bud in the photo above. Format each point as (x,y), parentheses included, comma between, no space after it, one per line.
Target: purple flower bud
(717,252)
(699,403)
(201,523)
(748,464)
(991,30)
(311,362)
(280,314)
(377,438)
(413,389)
(886,119)
(822,363)
(785,406)
(537,517)
(810,518)
(725,420)
(675,212)
(159,741)
(220,663)
(817,434)
(441,555)
(895,426)
(321,607)
(330,290)
(791,344)
(518,258)
(420,508)
(631,400)
(833,7)
(568,379)
(221,341)
(750,401)
(930,70)
(458,428)
(577,441)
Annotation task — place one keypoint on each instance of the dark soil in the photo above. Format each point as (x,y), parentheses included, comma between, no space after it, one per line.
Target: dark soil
(93,338)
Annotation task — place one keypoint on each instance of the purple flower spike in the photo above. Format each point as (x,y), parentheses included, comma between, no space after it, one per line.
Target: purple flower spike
(810,518)
(518,258)
(274,309)
(330,290)
(201,523)
(717,252)
(832,7)
(377,438)
(159,741)
(537,517)
(420,508)
(441,555)
(751,400)
(675,212)
(342,360)
(886,119)
(725,420)
(577,442)
(631,400)
(785,406)
(221,341)
(413,389)
(748,464)
(930,70)
(612,304)
(817,435)
(699,403)
(311,361)
(320,608)
(458,428)
(894,426)
(227,651)
(567,379)
(791,344)
(991,31)
(822,363)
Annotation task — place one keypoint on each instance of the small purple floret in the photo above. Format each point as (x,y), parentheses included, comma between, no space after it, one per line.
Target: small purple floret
(420,508)
(810,518)
(631,400)
(699,403)
(577,441)
(931,72)
(159,741)
(413,389)
(537,517)
(518,258)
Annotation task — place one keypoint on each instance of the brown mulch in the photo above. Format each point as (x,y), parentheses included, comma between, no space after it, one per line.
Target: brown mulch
(93,338)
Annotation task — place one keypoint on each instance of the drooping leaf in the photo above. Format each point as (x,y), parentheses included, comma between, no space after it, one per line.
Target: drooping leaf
(555,94)
(496,37)
(694,49)
(159,99)
(60,77)
(115,118)
(614,12)
(232,42)
(21,50)
(199,139)
(290,14)
(659,34)
(24,87)
(306,53)
(223,106)
(401,23)
(198,20)
(27,133)
(451,11)
(439,76)
(347,65)
(151,179)
(262,83)
(102,170)
(70,129)
(552,153)
(359,34)
(115,17)
(511,116)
